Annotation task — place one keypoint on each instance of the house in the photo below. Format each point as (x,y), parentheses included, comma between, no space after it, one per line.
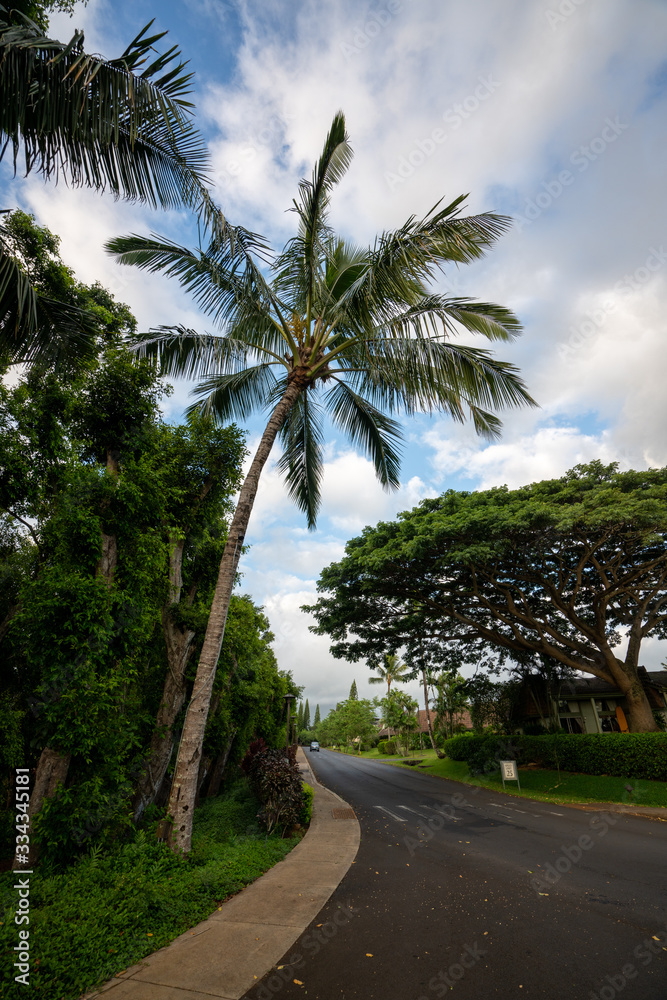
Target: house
(585,704)
(461,723)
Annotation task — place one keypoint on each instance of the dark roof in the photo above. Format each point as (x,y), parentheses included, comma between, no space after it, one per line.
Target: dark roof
(590,686)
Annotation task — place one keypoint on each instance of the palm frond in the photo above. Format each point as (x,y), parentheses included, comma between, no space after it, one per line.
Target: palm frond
(302,459)
(36,328)
(235,396)
(183,353)
(122,124)
(366,426)
(314,198)
(226,285)
(416,374)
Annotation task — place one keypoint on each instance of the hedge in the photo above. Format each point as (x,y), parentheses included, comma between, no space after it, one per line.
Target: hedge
(387,746)
(626,755)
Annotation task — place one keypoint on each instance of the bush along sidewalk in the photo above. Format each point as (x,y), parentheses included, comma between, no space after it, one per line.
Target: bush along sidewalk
(106,911)
(628,755)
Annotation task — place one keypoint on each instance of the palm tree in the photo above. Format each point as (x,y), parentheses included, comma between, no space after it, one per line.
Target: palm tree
(123,125)
(390,670)
(354,332)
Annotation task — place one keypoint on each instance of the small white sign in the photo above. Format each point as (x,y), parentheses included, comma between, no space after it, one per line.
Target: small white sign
(509,772)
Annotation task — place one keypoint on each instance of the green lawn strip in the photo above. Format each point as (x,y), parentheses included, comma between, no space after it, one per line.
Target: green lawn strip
(104,913)
(538,783)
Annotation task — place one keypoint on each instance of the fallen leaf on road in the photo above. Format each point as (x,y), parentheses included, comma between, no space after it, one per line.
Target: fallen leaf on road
(298,982)
(544,894)
(368,954)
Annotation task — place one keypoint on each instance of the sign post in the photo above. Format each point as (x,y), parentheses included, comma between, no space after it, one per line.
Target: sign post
(509,772)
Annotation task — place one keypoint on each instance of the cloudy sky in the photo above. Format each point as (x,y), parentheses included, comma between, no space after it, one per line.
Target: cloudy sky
(552,112)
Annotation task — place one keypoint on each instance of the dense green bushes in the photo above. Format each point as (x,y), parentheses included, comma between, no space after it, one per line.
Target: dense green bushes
(108,910)
(631,755)
(387,746)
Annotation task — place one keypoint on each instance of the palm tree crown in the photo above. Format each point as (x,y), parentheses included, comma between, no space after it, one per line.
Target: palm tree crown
(391,670)
(355,330)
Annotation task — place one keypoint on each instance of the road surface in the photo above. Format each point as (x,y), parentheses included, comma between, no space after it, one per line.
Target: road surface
(466,893)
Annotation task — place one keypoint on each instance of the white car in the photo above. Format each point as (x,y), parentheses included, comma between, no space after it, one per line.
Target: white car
(314,746)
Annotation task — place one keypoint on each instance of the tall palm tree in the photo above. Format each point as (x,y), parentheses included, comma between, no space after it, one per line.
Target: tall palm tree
(391,670)
(123,125)
(340,329)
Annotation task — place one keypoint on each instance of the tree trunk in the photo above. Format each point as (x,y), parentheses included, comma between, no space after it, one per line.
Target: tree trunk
(179,650)
(218,771)
(638,710)
(428,713)
(184,786)
(51,771)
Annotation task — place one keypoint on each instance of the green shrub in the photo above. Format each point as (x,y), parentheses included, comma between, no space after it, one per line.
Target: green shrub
(627,755)
(276,781)
(306,813)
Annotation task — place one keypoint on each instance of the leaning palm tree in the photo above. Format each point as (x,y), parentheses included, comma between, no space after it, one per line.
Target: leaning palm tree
(123,125)
(352,332)
(390,670)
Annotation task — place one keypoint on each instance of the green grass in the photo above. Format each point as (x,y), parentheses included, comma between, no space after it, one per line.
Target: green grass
(104,913)
(549,786)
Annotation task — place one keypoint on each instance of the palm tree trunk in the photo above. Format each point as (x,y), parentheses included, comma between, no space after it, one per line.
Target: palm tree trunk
(428,713)
(184,785)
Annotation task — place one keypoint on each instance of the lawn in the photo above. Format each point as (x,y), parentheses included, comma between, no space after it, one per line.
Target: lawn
(536,783)
(107,911)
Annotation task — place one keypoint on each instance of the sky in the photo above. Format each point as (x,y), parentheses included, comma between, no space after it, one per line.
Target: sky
(550,112)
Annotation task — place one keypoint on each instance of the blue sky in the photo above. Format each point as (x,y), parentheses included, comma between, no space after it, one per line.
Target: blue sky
(552,111)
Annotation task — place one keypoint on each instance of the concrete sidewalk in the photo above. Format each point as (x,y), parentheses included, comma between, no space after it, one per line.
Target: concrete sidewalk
(228,953)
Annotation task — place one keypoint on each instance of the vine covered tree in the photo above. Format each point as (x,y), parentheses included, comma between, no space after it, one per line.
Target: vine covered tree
(355,333)
(572,569)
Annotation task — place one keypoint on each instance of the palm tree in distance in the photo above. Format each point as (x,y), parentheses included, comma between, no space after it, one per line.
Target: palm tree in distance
(389,671)
(349,331)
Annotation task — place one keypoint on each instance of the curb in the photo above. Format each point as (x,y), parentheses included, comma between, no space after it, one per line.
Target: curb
(225,955)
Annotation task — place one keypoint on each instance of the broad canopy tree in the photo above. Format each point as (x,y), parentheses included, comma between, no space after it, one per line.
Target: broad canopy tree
(354,333)
(573,569)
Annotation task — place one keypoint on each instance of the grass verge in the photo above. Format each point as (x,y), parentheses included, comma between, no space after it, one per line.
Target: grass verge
(106,912)
(537,783)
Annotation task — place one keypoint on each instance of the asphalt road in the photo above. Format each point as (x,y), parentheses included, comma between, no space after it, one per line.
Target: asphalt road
(462,892)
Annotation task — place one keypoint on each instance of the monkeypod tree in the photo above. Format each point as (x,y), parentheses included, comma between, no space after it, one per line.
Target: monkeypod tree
(352,332)
(571,569)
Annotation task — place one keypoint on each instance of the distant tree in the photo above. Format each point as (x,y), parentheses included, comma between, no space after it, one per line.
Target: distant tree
(306,716)
(451,699)
(299,717)
(316,721)
(399,713)
(391,670)
(353,692)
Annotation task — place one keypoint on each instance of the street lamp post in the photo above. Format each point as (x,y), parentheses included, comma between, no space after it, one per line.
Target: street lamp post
(289,698)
